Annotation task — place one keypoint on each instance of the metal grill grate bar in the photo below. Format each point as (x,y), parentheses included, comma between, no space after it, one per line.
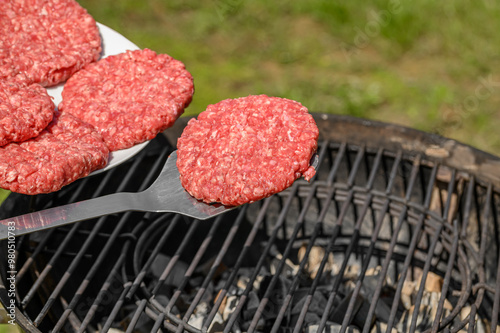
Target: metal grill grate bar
(274,280)
(259,265)
(133,322)
(414,314)
(77,260)
(298,227)
(118,305)
(406,264)
(194,263)
(88,278)
(69,271)
(496,303)
(165,236)
(413,245)
(313,236)
(102,292)
(330,245)
(54,259)
(368,203)
(467,207)
(446,281)
(103,254)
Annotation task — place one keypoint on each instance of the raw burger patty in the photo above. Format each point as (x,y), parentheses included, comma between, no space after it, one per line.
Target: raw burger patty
(129,97)
(65,151)
(25,110)
(243,150)
(47,40)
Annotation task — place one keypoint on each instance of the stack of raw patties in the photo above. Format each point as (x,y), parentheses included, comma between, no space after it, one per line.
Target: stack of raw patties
(107,104)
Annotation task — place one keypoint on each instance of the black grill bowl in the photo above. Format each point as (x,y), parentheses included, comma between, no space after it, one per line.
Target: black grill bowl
(398,230)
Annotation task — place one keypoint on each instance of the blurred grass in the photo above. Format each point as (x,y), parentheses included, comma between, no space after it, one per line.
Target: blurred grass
(424,64)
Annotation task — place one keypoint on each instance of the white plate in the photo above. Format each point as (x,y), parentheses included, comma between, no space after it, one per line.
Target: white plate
(112,43)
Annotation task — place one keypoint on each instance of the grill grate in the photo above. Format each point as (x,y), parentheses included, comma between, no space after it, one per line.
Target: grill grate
(340,252)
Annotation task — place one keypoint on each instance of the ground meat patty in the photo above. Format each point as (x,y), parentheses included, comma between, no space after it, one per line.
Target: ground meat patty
(129,97)
(68,149)
(47,40)
(243,150)
(25,110)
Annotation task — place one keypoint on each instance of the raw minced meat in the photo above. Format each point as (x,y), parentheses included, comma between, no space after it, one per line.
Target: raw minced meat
(47,40)
(245,149)
(129,97)
(25,110)
(68,149)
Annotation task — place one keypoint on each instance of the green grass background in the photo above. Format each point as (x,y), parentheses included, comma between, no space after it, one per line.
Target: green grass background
(430,65)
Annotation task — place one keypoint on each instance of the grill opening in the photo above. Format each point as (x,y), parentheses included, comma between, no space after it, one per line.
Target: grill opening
(382,239)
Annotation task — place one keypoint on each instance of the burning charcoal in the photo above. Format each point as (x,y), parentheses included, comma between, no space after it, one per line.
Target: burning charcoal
(316,255)
(250,308)
(433,283)
(407,293)
(359,313)
(223,302)
(481,325)
(429,303)
(351,272)
(426,314)
(383,309)
(230,306)
(289,269)
(315,309)
(209,293)
(251,305)
(226,309)
(275,296)
(370,282)
(200,314)
(244,278)
(221,281)
(217,324)
(184,301)
(373,271)
(424,319)
(331,328)
(242,282)
(340,310)
(360,316)
(204,268)
(465,312)
(381,327)
(440,193)
(431,299)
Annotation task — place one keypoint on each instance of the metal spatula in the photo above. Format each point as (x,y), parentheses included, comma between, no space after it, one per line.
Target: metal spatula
(166,194)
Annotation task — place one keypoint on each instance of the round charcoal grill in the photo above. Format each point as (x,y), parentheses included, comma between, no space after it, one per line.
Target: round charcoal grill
(398,231)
